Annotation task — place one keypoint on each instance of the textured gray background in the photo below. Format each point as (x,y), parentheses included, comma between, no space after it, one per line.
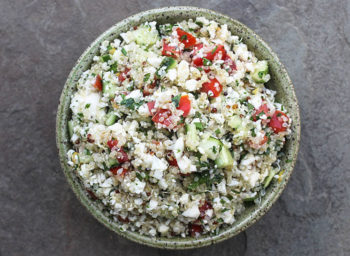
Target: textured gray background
(39,44)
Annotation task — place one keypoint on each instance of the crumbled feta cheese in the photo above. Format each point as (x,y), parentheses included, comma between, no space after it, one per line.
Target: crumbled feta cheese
(192,212)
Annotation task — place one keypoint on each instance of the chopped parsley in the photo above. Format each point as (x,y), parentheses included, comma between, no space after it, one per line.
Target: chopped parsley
(131,103)
(250,106)
(146,77)
(197,114)
(87,105)
(139,176)
(204,177)
(124,52)
(176,100)
(183,37)
(106,58)
(214,50)
(114,67)
(199,126)
(206,62)
(217,132)
(252,131)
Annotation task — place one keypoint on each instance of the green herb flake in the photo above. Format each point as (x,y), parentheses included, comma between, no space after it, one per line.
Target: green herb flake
(146,77)
(214,50)
(183,38)
(199,126)
(214,150)
(250,106)
(206,62)
(197,114)
(217,132)
(130,103)
(139,176)
(205,178)
(224,210)
(124,52)
(176,100)
(252,131)
(222,201)
(87,105)
(114,67)
(289,160)
(106,58)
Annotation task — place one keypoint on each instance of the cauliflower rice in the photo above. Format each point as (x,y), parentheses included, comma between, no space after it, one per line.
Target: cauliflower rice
(173,129)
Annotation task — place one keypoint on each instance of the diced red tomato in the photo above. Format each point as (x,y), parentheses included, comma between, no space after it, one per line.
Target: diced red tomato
(263,141)
(170,51)
(117,171)
(112,143)
(229,62)
(197,61)
(163,116)
(185,105)
(171,159)
(217,52)
(186,38)
(150,106)
(195,229)
(204,207)
(122,76)
(213,88)
(262,108)
(279,121)
(196,48)
(98,83)
(148,88)
(122,156)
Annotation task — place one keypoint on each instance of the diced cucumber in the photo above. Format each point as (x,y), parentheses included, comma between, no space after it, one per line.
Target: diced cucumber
(269,178)
(146,36)
(261,72)
(192,139)
(211,147)
(70,129)
(234,122)
(109,89)
(112,162)
(111,119)
(224,158)
(85,159)
(166,64)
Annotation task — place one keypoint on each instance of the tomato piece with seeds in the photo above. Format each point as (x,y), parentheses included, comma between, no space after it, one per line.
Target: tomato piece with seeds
(213,88)
(279,121)
(98,83)
(185,105)
(186,38)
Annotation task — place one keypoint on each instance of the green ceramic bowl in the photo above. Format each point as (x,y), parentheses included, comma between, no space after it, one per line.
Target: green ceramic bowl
(280,82)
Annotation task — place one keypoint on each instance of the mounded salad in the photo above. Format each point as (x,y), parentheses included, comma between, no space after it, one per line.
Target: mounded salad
(173,129)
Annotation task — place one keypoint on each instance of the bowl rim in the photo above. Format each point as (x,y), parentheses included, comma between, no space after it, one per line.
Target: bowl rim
(160,242)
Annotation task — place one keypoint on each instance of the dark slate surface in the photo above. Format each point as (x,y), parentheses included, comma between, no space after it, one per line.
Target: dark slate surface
(39,44)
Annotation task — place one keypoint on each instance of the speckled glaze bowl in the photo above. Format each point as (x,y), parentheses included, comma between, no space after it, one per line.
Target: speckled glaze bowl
(280,82)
